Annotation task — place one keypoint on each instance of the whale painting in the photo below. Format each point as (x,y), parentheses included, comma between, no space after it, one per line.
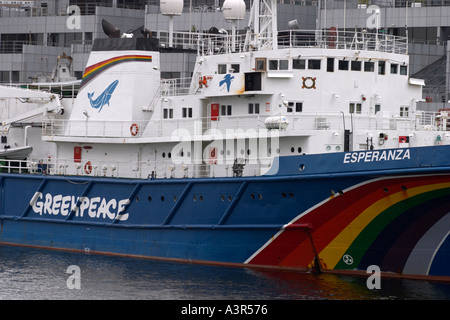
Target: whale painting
(103,98)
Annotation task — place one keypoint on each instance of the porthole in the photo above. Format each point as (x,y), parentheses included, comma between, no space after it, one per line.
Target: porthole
(292,149)
(162,198)
(137,198)
(201,198)
(174,198)
(169,155)
(283,195)
(338,148)
(222,197)
(328,148)
(149,198)
(260,196)
(301,167)
(163,154)
(252,196)
(291,195)
(299,150)
(194,198)
(229,198)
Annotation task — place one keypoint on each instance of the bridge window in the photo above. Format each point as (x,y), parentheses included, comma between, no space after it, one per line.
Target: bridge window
(299,64)
(278,64)
(356,65)
(369,66)
(260,64)
(381,67)
(343,65)
(222,69)
(404,70)
(330,64)
(394,68)
(314,64)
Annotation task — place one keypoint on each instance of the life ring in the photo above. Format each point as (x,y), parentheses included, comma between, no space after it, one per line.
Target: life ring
(312,85)
(134,129)
(88,167)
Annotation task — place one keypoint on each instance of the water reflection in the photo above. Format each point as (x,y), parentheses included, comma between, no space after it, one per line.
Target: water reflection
(41,274)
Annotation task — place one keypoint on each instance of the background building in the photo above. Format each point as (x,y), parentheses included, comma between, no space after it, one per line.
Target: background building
(34,33)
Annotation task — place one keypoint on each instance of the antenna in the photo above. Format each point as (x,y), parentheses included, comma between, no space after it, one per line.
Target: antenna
(233,10)
(171,8)
(110,30)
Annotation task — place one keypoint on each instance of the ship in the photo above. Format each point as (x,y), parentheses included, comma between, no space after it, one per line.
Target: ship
(298,150)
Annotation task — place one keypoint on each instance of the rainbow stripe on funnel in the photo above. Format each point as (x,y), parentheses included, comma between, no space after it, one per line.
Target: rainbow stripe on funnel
(400,224)
(94,70)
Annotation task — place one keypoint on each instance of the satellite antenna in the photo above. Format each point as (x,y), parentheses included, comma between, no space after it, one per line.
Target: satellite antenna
(171,8)
(110,30)
(233,10)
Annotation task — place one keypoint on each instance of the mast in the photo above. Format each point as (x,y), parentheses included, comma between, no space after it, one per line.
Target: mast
(263,20)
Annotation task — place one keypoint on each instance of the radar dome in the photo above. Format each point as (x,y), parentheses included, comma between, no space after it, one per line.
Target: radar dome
(233,9)
(171,7)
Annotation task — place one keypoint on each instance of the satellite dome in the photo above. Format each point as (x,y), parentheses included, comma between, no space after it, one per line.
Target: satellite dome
(233,9)
(171,7)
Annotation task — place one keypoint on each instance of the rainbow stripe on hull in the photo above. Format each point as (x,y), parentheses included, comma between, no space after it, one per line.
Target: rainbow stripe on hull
(400,224)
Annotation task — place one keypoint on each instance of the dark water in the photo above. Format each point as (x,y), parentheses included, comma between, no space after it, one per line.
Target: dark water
(31,274)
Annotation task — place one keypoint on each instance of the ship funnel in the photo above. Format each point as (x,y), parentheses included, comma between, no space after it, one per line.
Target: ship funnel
(110,30)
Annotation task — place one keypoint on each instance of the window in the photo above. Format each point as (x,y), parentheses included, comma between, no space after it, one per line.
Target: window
(404,111)
(343,65)
(404,70)
(299,64)
(278,64)
(187,112)
(377,108)
(369,66)
(167,113)
(330,64)
(235,68)
(226,110)
(297,106)
(355,107)
(260,64)
(381,67)
(253,108)
(314,64)
(222,69)
(394,68)
(356,66)
(273,64)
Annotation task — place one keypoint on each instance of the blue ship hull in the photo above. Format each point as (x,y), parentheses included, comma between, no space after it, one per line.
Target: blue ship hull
(303,216)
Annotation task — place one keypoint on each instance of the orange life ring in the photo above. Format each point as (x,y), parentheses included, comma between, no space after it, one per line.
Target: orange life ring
(134,129)
(88,167)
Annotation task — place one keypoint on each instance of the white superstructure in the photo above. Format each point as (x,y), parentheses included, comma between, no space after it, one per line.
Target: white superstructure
(251,99)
